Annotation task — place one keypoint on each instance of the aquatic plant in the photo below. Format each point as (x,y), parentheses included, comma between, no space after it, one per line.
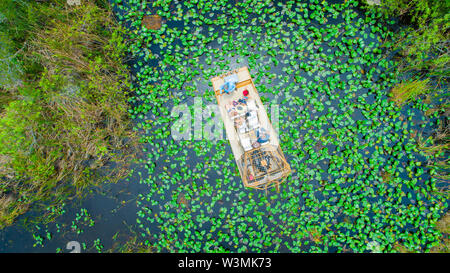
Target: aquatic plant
(423,44)
(359,176)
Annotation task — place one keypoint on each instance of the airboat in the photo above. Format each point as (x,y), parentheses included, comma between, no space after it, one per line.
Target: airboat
(253,140)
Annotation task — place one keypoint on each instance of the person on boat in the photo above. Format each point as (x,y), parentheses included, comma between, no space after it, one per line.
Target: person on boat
(262,135)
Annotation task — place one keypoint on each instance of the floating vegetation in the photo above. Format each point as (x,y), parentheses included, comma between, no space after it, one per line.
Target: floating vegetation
(367,145)
(360,183)
(98,245)
(133,245)
(83,218)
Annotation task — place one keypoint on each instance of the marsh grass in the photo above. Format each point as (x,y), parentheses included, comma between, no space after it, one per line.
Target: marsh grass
(6,97)
(422,44)
(443,109)
(408,90)
(68,121)
(315,235)
(442,246)
(443,168)
(402,249)
(422,49)
(439,142)
(443,225)
(132,245)
(10,68)
(430,148)
(436,147)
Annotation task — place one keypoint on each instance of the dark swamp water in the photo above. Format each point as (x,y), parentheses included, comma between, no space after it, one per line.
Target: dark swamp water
(125,210)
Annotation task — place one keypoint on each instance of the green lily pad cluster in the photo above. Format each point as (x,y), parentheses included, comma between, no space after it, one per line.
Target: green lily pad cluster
(82,219)
(82,222)
(360,183)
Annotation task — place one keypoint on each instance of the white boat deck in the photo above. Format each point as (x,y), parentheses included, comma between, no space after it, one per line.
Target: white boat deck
(245,82)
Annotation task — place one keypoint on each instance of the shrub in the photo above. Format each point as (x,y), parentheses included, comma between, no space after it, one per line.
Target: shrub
(69,117)
(423,43)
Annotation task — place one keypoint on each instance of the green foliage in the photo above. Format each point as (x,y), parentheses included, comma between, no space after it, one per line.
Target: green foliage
(358,178)
(423,45)
(17,17)
(9,66)
(69,117)
(17,20)
(133,245)
(408,90)
(16,127)
(5,98)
